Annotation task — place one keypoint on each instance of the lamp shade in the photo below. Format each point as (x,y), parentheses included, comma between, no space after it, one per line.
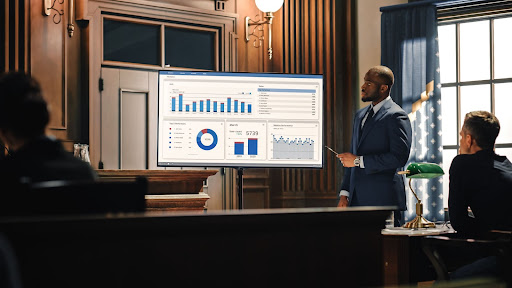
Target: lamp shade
(269,5)
(424,170)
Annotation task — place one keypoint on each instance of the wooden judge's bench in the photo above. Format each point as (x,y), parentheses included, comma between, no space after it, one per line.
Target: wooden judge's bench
(168,190)
(309,247)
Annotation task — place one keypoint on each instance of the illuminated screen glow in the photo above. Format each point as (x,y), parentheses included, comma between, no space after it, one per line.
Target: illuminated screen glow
(239,119)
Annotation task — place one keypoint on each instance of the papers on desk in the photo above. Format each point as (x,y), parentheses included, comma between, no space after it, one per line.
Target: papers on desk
(440,229)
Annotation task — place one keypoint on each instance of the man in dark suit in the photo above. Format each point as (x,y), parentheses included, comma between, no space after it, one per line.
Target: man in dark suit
(381,142)
(33,156)
(480,179)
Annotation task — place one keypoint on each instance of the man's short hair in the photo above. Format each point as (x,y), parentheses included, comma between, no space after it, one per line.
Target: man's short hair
(385,75)
(23,109)
(483,126)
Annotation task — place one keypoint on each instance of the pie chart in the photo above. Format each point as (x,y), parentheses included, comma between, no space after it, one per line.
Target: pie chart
(207,139)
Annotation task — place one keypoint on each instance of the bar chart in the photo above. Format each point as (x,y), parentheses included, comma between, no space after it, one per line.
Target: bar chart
(252,147)
(246,140)
(216,104)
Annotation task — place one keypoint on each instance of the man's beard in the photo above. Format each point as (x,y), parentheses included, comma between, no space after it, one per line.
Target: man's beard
(370,98)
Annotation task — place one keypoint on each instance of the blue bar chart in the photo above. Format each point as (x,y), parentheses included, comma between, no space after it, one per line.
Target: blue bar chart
(180,103)
(239,148)
(252,146)
(246,140)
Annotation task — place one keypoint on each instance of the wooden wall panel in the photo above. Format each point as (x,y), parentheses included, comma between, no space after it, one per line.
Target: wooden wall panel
(49,66)
(14,34)
(14,50)
(316,37)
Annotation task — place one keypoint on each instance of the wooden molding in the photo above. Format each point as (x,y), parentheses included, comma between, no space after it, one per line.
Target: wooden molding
(163,181)
(168,190)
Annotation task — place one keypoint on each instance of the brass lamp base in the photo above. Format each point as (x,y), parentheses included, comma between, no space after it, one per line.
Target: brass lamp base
(419,222)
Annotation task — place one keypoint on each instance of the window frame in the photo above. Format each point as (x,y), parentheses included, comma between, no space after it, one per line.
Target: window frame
(458,83)
(161,40)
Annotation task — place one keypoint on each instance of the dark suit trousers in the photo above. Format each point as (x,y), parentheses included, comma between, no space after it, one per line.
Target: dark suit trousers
(397,214)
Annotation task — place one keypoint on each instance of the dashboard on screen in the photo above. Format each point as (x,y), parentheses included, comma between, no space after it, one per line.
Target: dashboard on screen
(239,119)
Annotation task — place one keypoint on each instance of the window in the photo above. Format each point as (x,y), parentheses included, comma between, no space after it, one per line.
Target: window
(190,48)
(141,43)
(131,42)
(475,63)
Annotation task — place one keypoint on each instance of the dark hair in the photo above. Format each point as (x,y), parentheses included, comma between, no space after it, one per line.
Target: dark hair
(23,109)
(483,126)
(385,74)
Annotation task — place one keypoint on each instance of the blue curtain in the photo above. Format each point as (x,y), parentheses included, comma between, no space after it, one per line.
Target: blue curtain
(410,48)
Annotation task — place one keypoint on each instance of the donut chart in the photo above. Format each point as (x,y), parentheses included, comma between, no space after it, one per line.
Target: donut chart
(200,139)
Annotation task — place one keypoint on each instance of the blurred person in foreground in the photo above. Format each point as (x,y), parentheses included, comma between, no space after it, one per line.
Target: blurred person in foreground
(32,155)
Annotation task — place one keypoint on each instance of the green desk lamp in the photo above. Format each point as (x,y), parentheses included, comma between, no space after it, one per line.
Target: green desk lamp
(423,171)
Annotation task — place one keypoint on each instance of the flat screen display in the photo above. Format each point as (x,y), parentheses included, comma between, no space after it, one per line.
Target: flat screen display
(229,119)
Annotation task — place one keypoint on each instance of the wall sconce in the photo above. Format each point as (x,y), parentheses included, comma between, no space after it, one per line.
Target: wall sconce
(268,7)
(49,5)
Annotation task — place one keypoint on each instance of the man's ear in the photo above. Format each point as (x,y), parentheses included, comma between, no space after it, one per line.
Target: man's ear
(383,88)
(469,140)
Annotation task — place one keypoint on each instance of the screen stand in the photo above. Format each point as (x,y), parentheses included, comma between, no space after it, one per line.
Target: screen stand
(240,187)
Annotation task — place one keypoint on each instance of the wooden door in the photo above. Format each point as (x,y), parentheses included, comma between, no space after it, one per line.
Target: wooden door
(128,119)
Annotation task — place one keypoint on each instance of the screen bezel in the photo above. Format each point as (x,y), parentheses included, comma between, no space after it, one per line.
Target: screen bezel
(244,164)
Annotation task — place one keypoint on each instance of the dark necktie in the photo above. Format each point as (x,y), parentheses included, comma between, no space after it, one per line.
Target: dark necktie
(370,115)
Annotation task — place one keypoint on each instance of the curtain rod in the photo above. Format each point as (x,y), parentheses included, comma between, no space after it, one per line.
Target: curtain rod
(437,3)
(408,5)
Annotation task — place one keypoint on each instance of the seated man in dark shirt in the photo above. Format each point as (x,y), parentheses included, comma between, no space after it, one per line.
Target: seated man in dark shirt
(482,181)
(33,156)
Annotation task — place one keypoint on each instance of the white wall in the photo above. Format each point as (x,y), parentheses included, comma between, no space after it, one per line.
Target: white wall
(368,35)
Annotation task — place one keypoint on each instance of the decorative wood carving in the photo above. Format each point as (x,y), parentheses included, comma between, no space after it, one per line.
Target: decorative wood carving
(168,190)
(163,181)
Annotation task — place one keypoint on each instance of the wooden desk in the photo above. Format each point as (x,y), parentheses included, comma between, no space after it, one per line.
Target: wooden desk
(258,248)
(404,260)
(168,190)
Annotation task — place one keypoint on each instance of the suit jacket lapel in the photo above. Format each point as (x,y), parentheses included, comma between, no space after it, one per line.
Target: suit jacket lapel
(358,122)
(369,124)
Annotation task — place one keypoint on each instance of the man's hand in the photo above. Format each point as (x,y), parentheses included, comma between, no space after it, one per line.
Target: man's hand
(343,201)
(347,159)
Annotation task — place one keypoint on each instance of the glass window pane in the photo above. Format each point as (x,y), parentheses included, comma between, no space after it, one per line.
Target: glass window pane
(502,44)
(447,53)
(503,98)
(448,155)
(449,113)
(505,152)
(190,48)
(474,51)
(131,42)
(473,98)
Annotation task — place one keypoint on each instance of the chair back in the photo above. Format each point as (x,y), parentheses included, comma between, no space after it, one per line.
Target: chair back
(496,243)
